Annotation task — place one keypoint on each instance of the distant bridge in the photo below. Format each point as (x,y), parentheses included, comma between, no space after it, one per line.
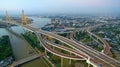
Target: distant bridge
(25,60)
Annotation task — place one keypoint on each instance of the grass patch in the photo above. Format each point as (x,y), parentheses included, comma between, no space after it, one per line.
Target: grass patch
(35,63)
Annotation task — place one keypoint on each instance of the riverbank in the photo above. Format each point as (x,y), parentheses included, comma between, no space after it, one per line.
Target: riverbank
(2,25)
(34,42)
(5,25)
(6,54)
(21,48)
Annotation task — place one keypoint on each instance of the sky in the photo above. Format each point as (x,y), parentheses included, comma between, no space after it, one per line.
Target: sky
(60,6)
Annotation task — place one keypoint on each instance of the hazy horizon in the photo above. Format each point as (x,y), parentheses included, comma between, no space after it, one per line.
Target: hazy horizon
(60,6)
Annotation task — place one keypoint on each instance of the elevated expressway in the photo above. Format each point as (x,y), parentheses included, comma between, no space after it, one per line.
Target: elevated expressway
(88,30)
(73,51)
(46,44)
(91,56)
(106,45)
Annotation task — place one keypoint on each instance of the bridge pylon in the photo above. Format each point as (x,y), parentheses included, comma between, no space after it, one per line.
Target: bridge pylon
(7,17)
(23,18)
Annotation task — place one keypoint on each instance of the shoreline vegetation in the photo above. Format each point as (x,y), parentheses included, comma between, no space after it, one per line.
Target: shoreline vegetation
(33,40)
(6,53)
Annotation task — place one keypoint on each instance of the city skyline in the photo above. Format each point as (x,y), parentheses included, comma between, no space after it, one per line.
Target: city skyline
(60,6)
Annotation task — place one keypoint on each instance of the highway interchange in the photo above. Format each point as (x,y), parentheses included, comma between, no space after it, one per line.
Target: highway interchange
(95,57)
(90,55)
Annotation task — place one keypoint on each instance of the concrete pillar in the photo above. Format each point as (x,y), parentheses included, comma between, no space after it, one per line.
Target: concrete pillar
(67,35)
(70,59)
(53,49)
(61,61)
(74,33)
(88,65)
(88,61)
(45,53)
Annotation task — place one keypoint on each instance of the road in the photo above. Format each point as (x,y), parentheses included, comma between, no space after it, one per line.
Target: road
(99,57)
(73,51)
(106,45)
(93,56)
(48,48)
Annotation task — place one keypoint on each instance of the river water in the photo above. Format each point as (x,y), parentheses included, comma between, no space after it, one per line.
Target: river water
(20,46)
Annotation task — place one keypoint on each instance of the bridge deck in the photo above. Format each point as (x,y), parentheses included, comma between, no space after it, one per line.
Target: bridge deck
(22,61)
